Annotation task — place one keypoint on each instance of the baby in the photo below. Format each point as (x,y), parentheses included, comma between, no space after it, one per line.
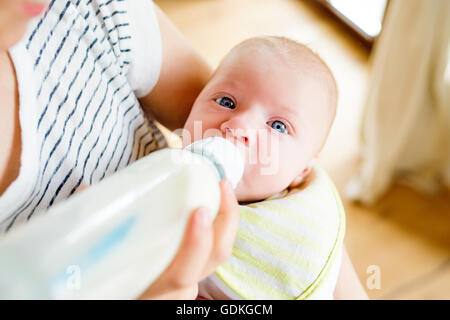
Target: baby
(276,100)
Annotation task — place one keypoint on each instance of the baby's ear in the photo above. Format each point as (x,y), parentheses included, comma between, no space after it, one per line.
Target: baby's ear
(301,177)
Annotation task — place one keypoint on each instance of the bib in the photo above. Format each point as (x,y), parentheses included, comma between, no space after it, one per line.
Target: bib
(287,245)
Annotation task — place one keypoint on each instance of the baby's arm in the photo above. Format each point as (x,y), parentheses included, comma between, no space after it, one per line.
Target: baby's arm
(348,286)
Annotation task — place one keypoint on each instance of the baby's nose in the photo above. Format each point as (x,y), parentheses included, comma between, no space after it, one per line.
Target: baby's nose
(233,131)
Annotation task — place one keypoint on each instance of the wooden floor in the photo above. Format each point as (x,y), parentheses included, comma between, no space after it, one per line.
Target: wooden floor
(406,235)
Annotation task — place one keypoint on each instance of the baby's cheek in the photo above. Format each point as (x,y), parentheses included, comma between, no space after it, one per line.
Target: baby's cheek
(195,129)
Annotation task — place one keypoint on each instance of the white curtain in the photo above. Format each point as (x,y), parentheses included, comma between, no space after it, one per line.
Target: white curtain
(406,124)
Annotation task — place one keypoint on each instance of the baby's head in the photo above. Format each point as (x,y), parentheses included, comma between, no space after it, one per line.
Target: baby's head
(276,100)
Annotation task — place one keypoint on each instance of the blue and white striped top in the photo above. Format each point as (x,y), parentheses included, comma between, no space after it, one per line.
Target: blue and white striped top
(80,68)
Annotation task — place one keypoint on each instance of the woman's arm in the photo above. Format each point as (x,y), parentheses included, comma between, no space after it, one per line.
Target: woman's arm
(348,286)
(183,75)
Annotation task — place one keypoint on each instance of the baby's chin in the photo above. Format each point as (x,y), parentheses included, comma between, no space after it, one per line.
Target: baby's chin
(246,193)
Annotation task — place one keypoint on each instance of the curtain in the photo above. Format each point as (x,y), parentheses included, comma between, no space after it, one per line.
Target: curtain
(406,122)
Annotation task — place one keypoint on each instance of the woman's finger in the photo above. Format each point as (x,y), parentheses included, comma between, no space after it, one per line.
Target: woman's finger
(225,227)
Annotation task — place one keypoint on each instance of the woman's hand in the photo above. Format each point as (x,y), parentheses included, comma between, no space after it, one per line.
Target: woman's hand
(205,246)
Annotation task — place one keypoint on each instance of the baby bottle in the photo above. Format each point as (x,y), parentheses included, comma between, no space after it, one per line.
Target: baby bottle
(115,238)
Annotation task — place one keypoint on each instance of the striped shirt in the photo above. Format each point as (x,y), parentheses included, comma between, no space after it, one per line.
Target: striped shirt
(80,68)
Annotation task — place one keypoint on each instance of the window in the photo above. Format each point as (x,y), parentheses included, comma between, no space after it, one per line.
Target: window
(364,17)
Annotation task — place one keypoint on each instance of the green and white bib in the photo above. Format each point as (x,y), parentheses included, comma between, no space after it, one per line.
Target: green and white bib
(287,247)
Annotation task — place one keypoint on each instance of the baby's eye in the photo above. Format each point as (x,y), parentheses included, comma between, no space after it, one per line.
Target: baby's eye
(226,102)
(278,125)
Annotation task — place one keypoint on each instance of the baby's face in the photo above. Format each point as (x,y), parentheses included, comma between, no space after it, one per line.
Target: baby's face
(275,115)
